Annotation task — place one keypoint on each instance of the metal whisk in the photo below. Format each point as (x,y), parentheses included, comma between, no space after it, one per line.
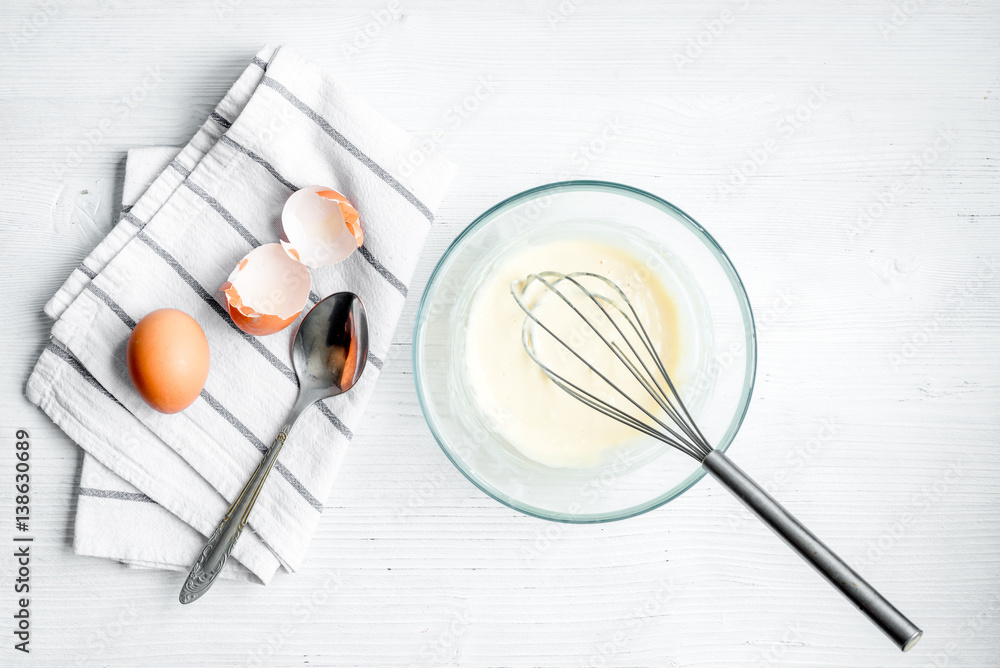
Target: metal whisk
(608,314)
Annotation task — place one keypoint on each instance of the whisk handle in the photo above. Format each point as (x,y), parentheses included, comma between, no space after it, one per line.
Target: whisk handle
(882,613)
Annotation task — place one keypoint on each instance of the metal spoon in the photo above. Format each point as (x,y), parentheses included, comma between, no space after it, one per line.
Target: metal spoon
(329,352)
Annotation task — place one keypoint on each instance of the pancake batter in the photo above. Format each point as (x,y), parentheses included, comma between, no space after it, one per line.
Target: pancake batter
(521,404)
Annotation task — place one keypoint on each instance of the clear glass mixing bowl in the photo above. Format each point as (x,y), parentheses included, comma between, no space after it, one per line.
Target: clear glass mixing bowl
(670,245)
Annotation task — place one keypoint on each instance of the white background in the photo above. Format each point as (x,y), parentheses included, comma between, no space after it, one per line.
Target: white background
(877,408)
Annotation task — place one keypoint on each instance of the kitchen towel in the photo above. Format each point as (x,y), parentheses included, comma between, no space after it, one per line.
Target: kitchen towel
(284,125)
(108,509)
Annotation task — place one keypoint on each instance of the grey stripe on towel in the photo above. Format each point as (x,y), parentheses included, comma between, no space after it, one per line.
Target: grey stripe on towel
(351,148)
(184,171)
(220,119)
(115,494)
(64,354)
(222,211)
(260,161)
(257,443)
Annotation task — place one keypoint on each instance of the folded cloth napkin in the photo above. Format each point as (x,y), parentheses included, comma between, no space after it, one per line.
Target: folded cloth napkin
(284,125)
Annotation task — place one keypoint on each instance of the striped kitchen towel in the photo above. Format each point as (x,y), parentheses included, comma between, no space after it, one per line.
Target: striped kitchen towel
(108,509)
(284,125)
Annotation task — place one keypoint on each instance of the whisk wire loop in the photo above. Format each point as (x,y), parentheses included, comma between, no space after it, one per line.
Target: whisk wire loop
(679,431)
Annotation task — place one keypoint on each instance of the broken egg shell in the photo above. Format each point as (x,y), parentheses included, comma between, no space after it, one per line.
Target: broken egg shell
(266,291)
(321,227)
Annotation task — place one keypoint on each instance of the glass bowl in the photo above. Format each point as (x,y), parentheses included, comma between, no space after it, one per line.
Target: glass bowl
(671,245)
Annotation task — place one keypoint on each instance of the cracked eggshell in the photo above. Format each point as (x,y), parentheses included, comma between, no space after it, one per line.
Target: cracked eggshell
(266,291)
(321,226)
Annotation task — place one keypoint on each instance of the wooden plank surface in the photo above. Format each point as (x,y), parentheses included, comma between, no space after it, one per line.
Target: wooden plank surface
(778,131)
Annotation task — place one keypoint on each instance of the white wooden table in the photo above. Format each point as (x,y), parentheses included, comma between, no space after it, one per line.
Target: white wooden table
(843,153)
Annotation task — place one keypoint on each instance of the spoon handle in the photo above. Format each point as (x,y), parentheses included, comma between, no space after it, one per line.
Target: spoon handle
(218,547)
(845,579)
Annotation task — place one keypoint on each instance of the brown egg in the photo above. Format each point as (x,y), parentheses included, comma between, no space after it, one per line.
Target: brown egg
(167,359)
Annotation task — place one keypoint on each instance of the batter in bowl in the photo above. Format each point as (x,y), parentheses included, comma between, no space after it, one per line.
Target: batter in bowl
(518,401)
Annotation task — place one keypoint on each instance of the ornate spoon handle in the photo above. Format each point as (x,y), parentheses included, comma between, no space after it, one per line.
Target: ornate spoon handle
(218,547)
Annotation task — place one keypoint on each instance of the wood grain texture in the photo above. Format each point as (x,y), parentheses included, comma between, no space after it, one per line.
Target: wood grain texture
(791,123)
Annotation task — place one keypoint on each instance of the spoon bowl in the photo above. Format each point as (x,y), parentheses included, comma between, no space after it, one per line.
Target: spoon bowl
(329,352)
(326,346)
